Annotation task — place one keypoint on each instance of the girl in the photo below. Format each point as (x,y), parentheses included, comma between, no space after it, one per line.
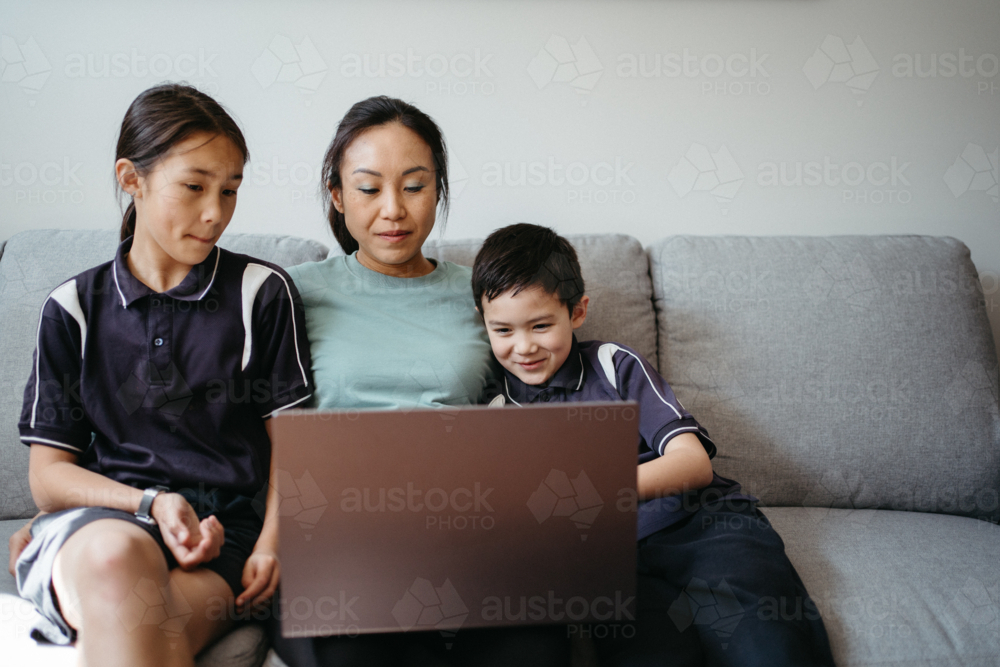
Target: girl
(148,470)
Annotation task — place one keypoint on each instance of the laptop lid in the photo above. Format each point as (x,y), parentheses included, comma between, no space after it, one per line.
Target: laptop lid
(463,517)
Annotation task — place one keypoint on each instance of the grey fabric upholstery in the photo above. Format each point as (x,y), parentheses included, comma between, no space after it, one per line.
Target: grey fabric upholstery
(909,588)
(854,372)
(35,262)
(616,276)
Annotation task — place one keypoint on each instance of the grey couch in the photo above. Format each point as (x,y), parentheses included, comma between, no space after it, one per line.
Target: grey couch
(850,382)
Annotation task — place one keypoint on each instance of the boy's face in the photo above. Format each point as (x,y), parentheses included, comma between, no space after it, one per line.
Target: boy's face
(532,333)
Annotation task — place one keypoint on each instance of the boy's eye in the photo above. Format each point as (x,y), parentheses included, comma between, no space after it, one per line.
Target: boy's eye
(194,187)
(542,327)
(501,331)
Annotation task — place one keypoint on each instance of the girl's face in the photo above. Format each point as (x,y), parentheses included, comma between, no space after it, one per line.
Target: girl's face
(389,198)
(184,203)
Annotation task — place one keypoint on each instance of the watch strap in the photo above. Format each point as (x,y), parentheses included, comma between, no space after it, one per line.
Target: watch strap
(146,504)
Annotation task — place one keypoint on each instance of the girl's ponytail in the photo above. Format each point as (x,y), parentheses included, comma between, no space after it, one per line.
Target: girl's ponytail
(160,117)
(128,222)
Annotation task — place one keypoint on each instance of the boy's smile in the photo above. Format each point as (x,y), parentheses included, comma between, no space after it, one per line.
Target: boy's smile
(532,333)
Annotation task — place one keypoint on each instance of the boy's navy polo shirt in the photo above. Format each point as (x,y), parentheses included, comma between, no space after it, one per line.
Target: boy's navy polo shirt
(598,371)
(169,389)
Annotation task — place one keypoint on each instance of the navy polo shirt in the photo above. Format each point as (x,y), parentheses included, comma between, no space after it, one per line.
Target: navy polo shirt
(169,389)
(598,371)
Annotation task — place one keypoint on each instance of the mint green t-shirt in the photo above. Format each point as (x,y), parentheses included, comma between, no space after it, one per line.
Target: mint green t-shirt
(379,342)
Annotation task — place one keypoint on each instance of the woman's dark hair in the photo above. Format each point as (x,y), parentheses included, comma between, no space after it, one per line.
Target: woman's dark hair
(364,115)
(161,117)
(521,256)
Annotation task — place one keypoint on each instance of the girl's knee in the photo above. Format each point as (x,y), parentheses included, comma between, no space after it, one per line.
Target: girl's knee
(118,556)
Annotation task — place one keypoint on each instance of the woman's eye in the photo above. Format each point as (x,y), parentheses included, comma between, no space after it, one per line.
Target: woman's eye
(368,191)
(415,188)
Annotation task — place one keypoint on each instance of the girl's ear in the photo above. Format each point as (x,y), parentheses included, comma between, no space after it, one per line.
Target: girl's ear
(580,312)
(128,177)
(337,196)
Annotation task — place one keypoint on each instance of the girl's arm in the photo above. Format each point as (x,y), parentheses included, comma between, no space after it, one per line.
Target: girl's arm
(684,466)
(263,570)
(58,483)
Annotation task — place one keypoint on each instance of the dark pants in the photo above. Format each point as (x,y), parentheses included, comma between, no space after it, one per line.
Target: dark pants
(500,647)
(717,589)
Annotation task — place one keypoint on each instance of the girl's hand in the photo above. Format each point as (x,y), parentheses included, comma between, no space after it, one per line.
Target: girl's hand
(260,579)
(190,541)
(18,541)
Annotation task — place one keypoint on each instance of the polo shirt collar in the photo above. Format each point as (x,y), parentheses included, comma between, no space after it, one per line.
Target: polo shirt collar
(194,287)
(569,378)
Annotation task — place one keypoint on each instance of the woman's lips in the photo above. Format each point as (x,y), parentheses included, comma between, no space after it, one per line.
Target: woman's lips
(393,237)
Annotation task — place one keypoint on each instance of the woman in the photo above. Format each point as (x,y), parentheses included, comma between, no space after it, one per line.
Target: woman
(389,328)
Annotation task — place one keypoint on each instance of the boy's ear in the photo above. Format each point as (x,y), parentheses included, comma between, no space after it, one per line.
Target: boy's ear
(128,177)
(580,312)
(337,197)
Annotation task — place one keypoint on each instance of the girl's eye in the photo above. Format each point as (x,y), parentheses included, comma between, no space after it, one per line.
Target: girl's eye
(229,193)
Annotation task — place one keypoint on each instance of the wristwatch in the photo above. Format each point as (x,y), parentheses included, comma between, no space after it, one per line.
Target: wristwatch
(147,503)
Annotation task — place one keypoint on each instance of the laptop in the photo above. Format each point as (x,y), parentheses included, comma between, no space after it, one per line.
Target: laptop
(441,519)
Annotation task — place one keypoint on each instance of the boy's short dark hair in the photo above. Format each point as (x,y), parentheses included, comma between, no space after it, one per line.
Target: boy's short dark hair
(520,256)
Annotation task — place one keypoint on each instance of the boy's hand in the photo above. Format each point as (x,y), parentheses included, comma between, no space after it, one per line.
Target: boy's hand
(260,579)
(18,541)
(190,541)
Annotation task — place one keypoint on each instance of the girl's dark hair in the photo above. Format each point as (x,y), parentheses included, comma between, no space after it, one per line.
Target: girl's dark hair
(161,117)
(366,114)
(521,256)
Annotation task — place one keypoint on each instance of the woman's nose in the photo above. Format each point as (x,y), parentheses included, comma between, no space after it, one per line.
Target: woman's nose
(392,205)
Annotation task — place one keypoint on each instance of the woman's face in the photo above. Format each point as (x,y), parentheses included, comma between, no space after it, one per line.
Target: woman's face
(388,197)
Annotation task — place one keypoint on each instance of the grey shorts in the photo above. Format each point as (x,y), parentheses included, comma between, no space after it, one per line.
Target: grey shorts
(49,533)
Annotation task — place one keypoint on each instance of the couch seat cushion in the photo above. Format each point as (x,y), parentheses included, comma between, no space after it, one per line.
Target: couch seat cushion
(898,587)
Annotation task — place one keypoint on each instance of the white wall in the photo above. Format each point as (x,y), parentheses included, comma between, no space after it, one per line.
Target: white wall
(743,88)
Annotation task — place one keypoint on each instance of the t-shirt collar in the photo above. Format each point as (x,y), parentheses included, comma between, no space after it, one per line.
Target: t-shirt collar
(569,378)
(194,287)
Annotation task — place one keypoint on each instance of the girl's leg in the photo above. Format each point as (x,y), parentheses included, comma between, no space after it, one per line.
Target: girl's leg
(113,586)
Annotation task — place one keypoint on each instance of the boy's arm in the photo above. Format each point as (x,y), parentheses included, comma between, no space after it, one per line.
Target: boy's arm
(684,466)
(684,458)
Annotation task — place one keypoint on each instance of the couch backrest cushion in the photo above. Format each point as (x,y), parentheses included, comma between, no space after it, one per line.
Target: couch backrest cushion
(616,277)
(32,264)
(845,372)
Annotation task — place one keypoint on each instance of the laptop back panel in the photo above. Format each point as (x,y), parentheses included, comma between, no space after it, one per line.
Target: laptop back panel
(466,517)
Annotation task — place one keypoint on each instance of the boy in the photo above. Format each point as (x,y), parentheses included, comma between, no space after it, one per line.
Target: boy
(701,543)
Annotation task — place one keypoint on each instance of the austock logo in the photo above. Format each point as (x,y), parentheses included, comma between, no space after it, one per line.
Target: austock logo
(299,498)
(560,496)
(714,606)
(285,62)
(975,171)
(23,64)
(560,62)
(836,62)
(425,606)
(703,171)
(149,604)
